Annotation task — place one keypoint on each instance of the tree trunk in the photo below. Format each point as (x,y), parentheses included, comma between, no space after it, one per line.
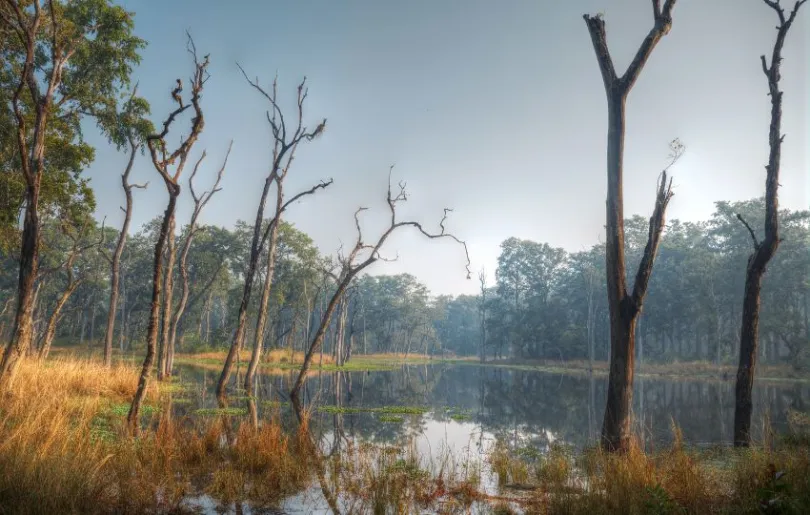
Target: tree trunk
(116,259)
(154,312)
(264,303)
(763,251)
(29,265)
(250,273)
(624,307)
(317,341)
(168,290)
(50,331)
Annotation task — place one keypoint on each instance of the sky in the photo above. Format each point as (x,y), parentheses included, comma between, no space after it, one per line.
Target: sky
(494,109)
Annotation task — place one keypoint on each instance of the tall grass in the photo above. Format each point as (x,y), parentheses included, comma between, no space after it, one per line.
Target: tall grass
(676,480)
(64,450)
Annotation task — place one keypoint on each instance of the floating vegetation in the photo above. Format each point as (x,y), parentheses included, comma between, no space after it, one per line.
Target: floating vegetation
(230,412)
(388,410)
(393,419)
(122,410)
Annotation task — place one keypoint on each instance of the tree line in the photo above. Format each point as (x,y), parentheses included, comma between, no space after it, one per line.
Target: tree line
(543,303)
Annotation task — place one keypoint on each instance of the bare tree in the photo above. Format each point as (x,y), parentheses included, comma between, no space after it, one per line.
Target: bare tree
(191,231)
(130,120)
(285,143)
(625,306)
(353,264)
(482,279)
(73,282)
(162,160)
(765,249)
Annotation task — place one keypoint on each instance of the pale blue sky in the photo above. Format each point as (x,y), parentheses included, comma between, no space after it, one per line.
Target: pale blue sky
(495,109)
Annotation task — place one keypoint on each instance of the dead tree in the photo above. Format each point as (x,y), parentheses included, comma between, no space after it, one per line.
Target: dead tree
(624,305)
(115,261)
(482,311)
(285,143)
(191,231)
(163,160)
(170,254)
(73,282)
(765,249)
(351,265)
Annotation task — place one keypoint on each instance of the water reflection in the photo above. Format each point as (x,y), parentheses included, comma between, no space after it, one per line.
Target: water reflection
(536,407)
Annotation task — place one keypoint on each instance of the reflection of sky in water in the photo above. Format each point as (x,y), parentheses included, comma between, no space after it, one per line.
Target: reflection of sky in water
(470,407)
(526,407)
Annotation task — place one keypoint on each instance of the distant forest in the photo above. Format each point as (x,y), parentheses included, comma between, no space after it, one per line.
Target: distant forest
(540,303)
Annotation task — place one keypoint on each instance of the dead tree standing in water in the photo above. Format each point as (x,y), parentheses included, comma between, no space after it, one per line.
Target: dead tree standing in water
(162,161)
(191,231)
(284,147)
(350,267)
(765,249)
(625,306)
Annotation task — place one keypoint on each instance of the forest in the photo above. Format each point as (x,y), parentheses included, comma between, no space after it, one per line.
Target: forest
(542,303)
(188,367)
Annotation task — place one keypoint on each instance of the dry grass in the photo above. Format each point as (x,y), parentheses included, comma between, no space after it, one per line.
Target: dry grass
(272,356)
(674,481)
(64,449)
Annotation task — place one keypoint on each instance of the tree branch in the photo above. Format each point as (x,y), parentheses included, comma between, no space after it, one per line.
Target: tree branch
(750,230)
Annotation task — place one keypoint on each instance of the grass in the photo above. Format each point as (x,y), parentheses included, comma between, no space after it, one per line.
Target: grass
(676,480)
(64,449)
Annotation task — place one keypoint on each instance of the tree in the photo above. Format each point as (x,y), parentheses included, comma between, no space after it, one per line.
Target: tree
(84,51)
(131,129)
(625,306)
(72,281)
(351,265)
(765,249)
(162,160)
(191,232)
(284,148)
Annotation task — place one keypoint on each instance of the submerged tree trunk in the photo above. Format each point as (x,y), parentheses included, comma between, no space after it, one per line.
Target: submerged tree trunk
(624,306)
(764,250)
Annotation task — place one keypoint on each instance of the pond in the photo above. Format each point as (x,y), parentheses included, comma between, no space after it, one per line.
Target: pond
(457,411)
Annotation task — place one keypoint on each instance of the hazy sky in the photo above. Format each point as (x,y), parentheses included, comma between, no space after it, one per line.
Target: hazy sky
(495,109)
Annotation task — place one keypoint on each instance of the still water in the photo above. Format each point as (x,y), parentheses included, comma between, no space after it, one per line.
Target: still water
(460,410)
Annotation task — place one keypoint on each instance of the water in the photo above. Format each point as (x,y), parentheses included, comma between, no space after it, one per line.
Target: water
(534,406)
(462,409)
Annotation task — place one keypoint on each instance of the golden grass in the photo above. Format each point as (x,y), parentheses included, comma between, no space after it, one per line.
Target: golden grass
(272,356)
(675,480)
(64,451)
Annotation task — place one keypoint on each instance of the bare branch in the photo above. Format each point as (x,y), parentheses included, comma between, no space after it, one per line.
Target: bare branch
(750,230)
(191,178)
(296,197)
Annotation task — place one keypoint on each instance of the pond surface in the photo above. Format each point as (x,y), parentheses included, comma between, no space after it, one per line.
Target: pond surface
(457,411)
